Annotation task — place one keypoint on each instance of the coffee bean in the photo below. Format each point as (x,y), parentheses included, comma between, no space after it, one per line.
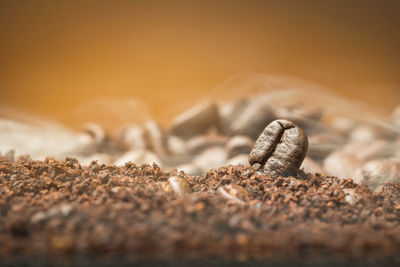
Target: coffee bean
(396,118)
(132,137)
(368,133)
(95,131)
(233,192)
(280,149)
(189,169)
(176,145)
(375,150)
(199,143)
(179,185)
(303,115)
(342,125)
(230,112)
(312,166)
(351,196)
(341,164)
(239,144)
(377,172)
(241,159)
(253,118)
(321,145)
(197,120)
(156,138)
(213,157)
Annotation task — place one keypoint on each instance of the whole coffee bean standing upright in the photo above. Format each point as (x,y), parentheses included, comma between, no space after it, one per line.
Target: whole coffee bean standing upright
(280,149)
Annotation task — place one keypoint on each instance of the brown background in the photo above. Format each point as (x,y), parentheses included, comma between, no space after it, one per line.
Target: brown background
(57,55)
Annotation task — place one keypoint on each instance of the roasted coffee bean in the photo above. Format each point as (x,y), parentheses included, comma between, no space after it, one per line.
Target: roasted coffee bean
(230,112)
(210,158)
(96,132)
(342,125)
(179,185)
(233,192)
(241,159)
(197,120)
(132,137)
(377,172)
(312,166)
(156,138)
(351,196)
(303,115)
(253,118)
(199,143)
(341,164)
(396,118)
(189,169)
(176,145)
(368,133)
(321,145)
(280,149)
(375,150)
(239,144)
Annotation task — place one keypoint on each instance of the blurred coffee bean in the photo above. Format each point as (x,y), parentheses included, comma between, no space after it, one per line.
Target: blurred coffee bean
(311,166)
(376,172)
(91,139)
(304,115)
(179,185)
(139,157)
(210,158)
(197,120)
(365,134)
(96,132)
(396,118)
(156,138)
(190,169)
(375,150)
(341,164)
(230,111)
(233,192)
(10,155)
(132,137)
(239,144)
(321,145)
(388,190)
(351,196)
(253,119)
(176,145)
(199,143)
(241,159)
(342,125)
(280,149)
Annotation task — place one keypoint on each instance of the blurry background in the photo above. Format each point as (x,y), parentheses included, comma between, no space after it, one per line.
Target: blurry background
(57,55)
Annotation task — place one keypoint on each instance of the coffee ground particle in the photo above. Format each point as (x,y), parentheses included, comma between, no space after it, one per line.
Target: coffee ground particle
(55,212)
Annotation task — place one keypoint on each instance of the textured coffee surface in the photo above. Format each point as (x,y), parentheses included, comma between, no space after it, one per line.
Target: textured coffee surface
(60,212)
(280,149)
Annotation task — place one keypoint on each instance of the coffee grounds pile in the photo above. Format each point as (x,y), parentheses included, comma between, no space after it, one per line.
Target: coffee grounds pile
(55,212)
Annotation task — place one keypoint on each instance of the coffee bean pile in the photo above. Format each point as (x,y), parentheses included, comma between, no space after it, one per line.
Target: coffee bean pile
(212,135)
(64,213)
